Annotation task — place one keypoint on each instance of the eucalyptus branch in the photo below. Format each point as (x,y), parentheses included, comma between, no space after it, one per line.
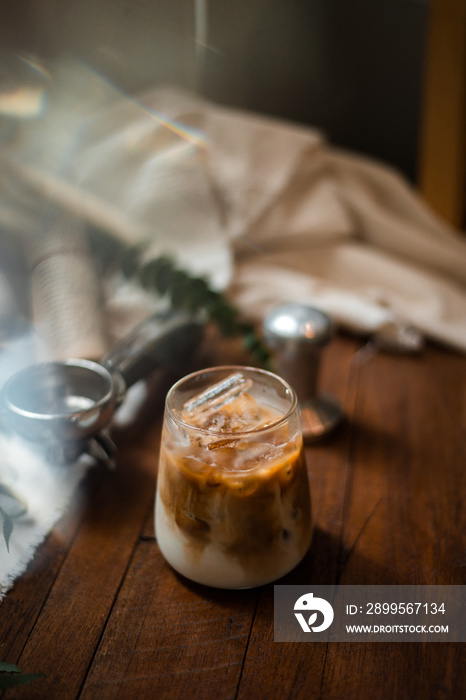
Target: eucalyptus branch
(194,294)
(8,517)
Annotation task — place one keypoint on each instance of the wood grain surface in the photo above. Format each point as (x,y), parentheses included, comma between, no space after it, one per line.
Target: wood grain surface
(103,616)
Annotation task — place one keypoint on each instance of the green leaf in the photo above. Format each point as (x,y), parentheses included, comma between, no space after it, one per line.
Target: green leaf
(179,289)
(15,679)
(164,274)
(7,527)
(106,250)
(9,668)
(130,261)
(198,293)
(262,355)
(148,273)
(251,341)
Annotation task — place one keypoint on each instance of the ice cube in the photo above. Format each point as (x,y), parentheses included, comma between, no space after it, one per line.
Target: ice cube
(227,407)
(220,407)
(218,394)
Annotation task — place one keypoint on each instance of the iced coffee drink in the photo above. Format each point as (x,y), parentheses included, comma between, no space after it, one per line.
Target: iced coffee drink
(233,506)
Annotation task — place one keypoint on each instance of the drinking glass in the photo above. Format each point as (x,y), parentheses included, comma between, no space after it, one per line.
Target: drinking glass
(233,506)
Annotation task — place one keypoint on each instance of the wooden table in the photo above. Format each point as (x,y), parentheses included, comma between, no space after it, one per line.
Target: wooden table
(103,616)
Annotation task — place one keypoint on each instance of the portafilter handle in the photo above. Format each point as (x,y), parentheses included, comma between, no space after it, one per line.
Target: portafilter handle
(166,339)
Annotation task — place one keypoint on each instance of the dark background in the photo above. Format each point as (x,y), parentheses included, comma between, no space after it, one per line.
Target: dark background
(353,68)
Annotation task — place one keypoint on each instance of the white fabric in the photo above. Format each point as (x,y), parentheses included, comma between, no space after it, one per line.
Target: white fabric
(313,224)
(45,490)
